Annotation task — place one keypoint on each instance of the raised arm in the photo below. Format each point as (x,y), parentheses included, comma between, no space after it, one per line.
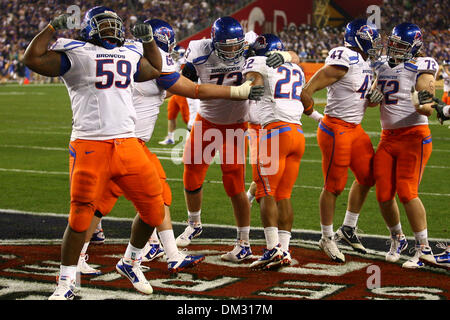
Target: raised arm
(146,71)
(37,57)
(144,32)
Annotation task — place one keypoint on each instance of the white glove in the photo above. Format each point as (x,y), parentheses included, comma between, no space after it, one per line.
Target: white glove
(375,96)
(316,116)
(246,91)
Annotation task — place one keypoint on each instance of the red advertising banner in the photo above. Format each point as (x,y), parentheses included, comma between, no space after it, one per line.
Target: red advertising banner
(266,16)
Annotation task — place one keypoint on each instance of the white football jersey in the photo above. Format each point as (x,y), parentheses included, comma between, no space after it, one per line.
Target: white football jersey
(253,112)
(446,77)
(282,89)
(99,83)
(397,109)
(211,69)
(148,96)
(346,98)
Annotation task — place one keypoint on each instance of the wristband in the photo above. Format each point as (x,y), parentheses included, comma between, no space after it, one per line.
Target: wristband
(312,104)
(197,87)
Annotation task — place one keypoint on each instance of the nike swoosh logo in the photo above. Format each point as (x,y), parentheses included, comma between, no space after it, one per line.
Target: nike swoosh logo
(242,255)
(342,132)
(88,152)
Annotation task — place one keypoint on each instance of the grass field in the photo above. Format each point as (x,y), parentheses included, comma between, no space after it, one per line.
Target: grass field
(35,125)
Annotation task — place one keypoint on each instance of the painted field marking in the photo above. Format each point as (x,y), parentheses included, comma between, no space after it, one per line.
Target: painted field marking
(206,181)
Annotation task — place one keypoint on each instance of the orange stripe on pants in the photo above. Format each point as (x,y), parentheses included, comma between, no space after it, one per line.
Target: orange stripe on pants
(110,195)
(204,140)
(281,147)
(399,162)
(93,164)
(344,145)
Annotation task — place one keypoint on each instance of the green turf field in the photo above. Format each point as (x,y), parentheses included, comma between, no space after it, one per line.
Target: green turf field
(35,124)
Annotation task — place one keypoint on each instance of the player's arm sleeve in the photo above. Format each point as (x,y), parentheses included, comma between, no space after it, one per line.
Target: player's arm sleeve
(166,80)
(427,65)
(341,56)
(190,72)
(65,64)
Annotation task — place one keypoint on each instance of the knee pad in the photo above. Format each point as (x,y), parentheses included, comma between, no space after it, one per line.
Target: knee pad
(193,177)
(233,179)
(406,193)
(152,212)
(80,216)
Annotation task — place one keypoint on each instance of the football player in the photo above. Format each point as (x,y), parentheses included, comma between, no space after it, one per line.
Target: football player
(99,73)
(218,60)
(147,98)
(446,76)
(178,104)
(406,143)
(280,149)
(344,144)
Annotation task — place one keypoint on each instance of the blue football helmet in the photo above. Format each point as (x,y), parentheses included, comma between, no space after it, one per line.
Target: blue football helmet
(228,39)
(265,43)
(104,26)
(163,34)
(360,34)
(404,42)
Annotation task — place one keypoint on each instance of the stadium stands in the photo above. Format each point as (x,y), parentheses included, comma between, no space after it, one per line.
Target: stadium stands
(21,19)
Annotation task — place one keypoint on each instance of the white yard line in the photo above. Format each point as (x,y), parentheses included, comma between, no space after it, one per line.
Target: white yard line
(181,180)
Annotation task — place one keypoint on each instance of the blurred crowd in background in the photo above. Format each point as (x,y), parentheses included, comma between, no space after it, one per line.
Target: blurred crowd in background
(21,20)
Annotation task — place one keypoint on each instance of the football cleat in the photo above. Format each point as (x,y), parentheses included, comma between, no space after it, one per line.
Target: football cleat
(131,269)
(398,244)
(420,252)
(65,289)
(166,141)
(184,262)
(328,245)
(348,234)
(287,259)
(98,237)
(240,252)
(441,260)
(191,232)
(85,269)
(155,250)
(270,259)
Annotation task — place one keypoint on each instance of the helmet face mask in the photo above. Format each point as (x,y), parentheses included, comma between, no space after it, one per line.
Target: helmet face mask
(231,50)
(404,43)
(359,34)
(228,39)
(104,26)
(108,27)
(398,50)
(178,53)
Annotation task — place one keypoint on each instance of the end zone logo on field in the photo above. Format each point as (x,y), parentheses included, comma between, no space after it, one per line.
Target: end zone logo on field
(28,272)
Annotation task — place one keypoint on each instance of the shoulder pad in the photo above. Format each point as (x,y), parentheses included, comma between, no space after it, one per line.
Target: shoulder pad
(64,44)
(199,51)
